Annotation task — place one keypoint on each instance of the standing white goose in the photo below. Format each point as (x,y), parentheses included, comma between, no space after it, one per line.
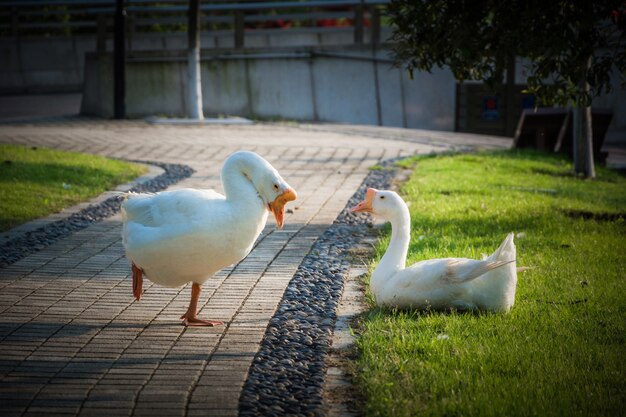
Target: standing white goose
(438,284)
(187,235)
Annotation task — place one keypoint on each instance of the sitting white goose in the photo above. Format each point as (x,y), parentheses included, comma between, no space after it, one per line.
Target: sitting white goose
(187,235)
(438,284)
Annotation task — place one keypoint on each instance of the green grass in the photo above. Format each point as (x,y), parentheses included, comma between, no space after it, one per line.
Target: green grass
(562,349)
(35,182)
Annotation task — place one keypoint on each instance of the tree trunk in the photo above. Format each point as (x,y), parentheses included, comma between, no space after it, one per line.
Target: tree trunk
(194,84)
(583,134)
(590,169)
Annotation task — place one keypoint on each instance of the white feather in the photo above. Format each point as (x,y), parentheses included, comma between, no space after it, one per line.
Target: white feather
(445,283)
(188,234)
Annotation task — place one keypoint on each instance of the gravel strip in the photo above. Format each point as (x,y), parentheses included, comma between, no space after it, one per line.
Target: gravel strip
(30,242)
(287,374)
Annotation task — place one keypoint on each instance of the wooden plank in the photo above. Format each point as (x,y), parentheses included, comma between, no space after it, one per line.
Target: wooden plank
(600,121)
(539,129)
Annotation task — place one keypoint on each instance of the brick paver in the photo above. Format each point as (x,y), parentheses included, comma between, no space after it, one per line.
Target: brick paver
(72,339)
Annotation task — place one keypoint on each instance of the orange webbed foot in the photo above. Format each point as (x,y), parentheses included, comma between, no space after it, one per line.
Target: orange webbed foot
(192,320)
(137,281)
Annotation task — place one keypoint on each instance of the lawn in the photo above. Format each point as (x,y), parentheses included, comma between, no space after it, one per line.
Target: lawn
(562,348)
(35,182)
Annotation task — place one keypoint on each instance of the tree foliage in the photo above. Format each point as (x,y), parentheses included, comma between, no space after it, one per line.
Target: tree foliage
(477,39)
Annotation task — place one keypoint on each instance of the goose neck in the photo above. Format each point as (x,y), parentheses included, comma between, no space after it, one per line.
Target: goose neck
(394,259)
(237,180)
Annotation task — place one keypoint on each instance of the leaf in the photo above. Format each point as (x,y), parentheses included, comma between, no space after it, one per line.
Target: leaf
(475,42)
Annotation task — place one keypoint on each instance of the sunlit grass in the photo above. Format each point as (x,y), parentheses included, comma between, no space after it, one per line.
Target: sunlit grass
(35,182)
(561,349)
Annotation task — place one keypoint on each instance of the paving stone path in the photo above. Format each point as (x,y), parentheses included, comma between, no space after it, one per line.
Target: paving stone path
(73,341)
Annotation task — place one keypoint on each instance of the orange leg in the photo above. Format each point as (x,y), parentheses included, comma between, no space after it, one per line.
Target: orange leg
(137,281)
(190,318)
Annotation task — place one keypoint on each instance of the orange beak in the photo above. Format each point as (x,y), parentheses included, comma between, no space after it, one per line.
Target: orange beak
(365,206)
(278,205)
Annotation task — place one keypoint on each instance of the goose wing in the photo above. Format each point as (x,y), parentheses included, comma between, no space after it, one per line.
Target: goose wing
(168,208)
(463,270)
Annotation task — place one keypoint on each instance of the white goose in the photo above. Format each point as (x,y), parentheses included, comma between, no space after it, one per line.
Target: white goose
(187,235)
(438,284)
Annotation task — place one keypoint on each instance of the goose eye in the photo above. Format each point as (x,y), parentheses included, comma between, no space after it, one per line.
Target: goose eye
(382,197)
(276,187)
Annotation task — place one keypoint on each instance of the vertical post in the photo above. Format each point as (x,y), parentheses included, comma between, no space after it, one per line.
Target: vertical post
(130,32)
(358,23)
(239,35)
(375,13)
(540,139)
(101,37)
(119,62)
(194,84)
(15,22)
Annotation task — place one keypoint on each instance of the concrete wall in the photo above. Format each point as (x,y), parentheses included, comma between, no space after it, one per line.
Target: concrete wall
(39,65)
(616,101)
(56,64)
(346,85)
(339,82)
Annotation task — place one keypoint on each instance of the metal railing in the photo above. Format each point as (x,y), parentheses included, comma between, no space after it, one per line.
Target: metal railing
(68,17)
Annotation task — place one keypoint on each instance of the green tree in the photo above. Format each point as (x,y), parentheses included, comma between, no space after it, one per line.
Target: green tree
(574,48)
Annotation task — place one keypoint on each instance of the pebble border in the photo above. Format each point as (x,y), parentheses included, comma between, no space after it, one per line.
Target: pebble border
(287,374)
(33,241)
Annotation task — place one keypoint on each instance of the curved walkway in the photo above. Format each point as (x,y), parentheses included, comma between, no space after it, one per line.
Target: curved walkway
(73,341)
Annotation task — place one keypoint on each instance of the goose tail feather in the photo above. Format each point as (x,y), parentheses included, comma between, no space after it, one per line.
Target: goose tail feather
(506,251)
